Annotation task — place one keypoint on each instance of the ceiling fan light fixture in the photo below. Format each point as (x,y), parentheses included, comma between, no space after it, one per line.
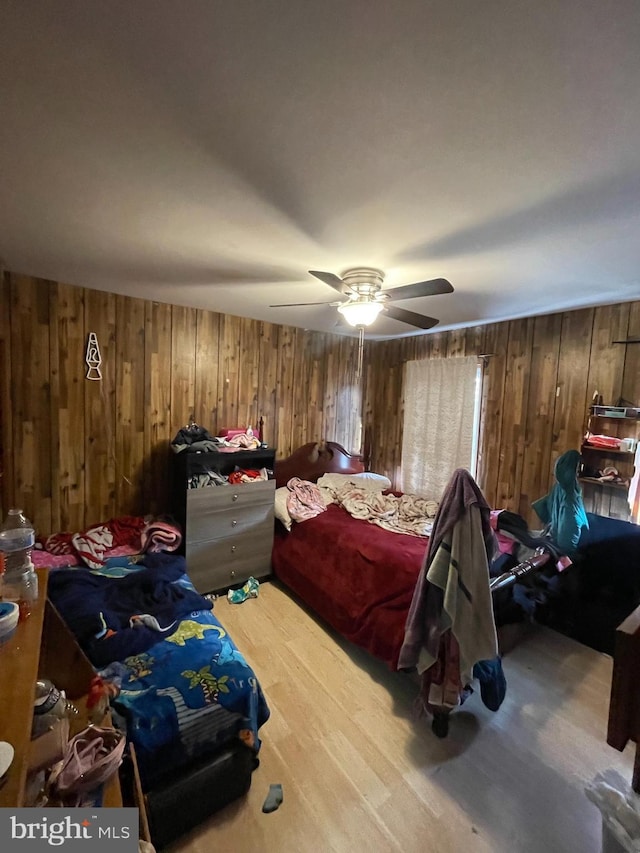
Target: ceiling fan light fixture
(360,313)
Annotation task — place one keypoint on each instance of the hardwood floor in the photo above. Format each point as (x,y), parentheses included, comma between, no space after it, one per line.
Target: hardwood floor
(359,773)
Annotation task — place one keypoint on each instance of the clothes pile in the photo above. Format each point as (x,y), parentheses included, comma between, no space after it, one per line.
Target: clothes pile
(125,536)
(193,438)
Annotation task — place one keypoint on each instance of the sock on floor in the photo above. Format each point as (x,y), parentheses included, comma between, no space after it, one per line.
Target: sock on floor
(273,800)
(249,590)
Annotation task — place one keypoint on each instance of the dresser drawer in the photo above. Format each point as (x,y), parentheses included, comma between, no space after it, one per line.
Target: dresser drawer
(222,517)
(221,497)
(220,563)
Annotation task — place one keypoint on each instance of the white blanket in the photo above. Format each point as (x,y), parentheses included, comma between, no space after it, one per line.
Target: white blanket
(405,514)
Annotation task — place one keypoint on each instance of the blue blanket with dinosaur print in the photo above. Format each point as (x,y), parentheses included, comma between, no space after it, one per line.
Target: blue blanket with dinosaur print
(187,694)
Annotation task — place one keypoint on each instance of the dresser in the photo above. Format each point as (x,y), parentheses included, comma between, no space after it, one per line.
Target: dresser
(228,528)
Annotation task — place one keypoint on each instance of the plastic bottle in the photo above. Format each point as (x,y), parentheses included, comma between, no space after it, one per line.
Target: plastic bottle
(50,705)
(49,700)
(20,582)
(21,586)
(29,594)
(17,537)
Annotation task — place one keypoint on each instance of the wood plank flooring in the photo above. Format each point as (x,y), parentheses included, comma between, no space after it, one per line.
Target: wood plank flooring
(360,773)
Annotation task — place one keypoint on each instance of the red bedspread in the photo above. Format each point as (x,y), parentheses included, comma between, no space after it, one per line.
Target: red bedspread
(356,576)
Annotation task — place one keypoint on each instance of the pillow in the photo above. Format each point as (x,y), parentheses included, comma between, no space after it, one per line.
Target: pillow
(280,507)
(365,480)
(380,480)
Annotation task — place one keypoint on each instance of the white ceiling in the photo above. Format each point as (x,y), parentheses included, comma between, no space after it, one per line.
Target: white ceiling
(210,152)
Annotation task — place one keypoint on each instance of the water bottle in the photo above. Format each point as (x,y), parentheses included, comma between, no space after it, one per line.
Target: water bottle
(19,582)
(49,706)
(21,586)
(17,538)
(29,594)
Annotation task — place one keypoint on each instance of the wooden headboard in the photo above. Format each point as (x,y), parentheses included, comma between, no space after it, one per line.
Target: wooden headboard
(315,459)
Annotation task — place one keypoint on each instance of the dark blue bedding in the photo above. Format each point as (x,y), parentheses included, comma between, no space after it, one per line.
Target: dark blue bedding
(188,692)
(115,617)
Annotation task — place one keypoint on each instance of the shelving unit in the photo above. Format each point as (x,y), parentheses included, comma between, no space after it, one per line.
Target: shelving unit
(605,497)
(604,484)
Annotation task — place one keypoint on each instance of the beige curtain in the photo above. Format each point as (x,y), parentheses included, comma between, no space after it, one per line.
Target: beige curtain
(439,407)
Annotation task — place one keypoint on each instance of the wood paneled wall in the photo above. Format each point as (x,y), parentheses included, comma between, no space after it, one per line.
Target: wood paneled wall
(76,451)
(538,383)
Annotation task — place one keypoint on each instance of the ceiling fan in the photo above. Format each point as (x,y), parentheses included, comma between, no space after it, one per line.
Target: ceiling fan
(364,299)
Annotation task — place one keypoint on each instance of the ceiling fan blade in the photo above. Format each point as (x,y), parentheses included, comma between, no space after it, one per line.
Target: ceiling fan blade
(418,320)
(332,280)
(420,288)
(298,304)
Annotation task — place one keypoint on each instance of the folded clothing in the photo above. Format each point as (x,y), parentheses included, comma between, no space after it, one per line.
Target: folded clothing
(604,441)
(160,536)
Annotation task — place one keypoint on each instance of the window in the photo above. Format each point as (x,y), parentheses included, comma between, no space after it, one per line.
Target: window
(442,400)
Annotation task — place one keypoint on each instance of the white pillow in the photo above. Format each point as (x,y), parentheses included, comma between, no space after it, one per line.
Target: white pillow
(365,480)
(380,480)
(280,507)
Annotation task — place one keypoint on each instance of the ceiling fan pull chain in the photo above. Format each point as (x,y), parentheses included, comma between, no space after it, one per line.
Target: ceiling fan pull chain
(360,351)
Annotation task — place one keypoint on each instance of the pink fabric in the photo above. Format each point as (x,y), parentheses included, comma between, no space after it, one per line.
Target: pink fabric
(563,563)
(119,537)
(45,560)
(304,500)
(244,442)
(506,544)
(161,536)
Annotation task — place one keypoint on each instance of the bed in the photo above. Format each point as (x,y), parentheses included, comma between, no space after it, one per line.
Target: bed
(356,576)
(189,702)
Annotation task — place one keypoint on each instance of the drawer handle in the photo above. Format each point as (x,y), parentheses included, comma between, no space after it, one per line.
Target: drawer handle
(234,522)
(234,498)
(232,573)
(233,548)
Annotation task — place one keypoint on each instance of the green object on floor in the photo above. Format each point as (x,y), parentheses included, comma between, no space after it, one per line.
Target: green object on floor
(249,590)
(273,800)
